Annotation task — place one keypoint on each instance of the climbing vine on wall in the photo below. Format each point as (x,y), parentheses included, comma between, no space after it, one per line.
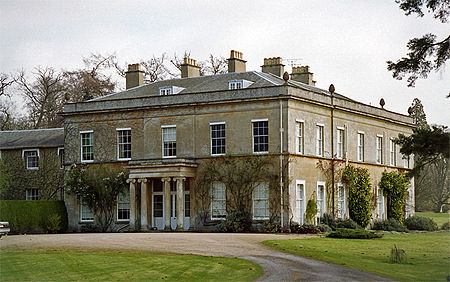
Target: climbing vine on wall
(395,186)
(357,181)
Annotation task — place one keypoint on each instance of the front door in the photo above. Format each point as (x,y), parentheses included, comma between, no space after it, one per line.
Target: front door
(158,205)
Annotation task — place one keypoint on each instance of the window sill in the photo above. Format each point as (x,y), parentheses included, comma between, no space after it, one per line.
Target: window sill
(169,157)
(126,159)
(261,153)
(217,155)
(85,221)
(122,221)
(218,218)
(87,161)
(32,168)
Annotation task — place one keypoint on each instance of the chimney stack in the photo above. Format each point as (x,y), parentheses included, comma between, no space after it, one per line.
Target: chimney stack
(273,66)
(235,62)
(134,76)
(189,68)
(302,74)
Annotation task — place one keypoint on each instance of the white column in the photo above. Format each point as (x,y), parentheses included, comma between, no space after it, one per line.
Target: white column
(144,203)
(180,193)
(167,202)
(132,204)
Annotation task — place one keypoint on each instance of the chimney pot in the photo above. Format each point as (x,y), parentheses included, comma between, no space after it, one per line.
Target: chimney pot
(273,66)
(235,62)
(189,68)
(302,74)
(134,76)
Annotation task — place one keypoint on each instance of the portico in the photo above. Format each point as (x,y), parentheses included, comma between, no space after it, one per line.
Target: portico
(160,194)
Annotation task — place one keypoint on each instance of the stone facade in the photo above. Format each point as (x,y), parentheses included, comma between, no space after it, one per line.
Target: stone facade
(164,185)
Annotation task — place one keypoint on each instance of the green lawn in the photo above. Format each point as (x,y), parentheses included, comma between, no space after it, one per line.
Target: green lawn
(428,254)
(440,218)
(98,265)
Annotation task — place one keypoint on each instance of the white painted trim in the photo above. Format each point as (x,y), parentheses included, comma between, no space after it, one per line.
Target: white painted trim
(341,186)
(260,119)
(324,195)
(217,123)
(117,143)
(210,137)
(340,127)
(120,129)
(168,126)
(26,164)
(299,120)
(81,145)
(61,165)
(60,148)
(162,141)
(81,212)
(253,136)
(379,135)
(360,132)
(253,202)
(297,215)
(320,124)
(211,206)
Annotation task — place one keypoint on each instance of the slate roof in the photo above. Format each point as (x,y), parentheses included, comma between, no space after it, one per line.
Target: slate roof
(210,83)
(35,138)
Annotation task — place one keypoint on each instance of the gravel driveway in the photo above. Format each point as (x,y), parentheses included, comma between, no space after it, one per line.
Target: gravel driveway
(277,266)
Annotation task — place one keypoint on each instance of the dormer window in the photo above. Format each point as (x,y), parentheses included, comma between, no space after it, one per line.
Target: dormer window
(169,90)
(238,84)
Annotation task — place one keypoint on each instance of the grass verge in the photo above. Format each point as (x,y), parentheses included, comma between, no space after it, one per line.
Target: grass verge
(440,218)
(100,265)
(427,254)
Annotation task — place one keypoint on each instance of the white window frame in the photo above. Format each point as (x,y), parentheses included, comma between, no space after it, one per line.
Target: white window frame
(26,158)
(220,200)
(360,146)
(253,135)
(118,130)
(81,145)
(235,84)
(163,127)
(123,203)
(341,213)
(61,155)
(392,153)
(320,140)
(167,90)
(380,202)
(300,211)
(340,132)
(264,198)
(323,201)
(379,149)
(81,212)
(32,194)
(211,124)
(299,136)
(405,161)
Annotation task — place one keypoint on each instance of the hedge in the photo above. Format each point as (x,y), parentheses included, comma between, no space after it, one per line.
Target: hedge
(34,216)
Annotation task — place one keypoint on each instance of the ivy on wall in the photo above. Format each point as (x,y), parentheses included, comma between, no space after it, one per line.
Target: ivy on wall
(395,186)
(359,192)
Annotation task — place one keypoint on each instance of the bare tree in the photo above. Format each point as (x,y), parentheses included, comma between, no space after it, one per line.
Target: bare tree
(91,81)
(44,96)
(213,65)
(5,82)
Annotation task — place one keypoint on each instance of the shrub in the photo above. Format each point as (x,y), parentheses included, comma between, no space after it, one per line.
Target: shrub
(389,225)
(295,227)
(272,225)
(358,183)
(90,228)
(236,221)
(308,229)
(420,223)
(347,223)
(33,216)
(311,211)
(334,223)
(323,228)
(446,226)
(395,186)
(398,255)
(345,233)
(54,223)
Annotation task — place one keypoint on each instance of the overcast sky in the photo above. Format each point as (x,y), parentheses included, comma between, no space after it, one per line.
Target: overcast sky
(346,43)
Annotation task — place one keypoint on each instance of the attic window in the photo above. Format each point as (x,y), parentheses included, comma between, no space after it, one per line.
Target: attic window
(169,90)
(238,84)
